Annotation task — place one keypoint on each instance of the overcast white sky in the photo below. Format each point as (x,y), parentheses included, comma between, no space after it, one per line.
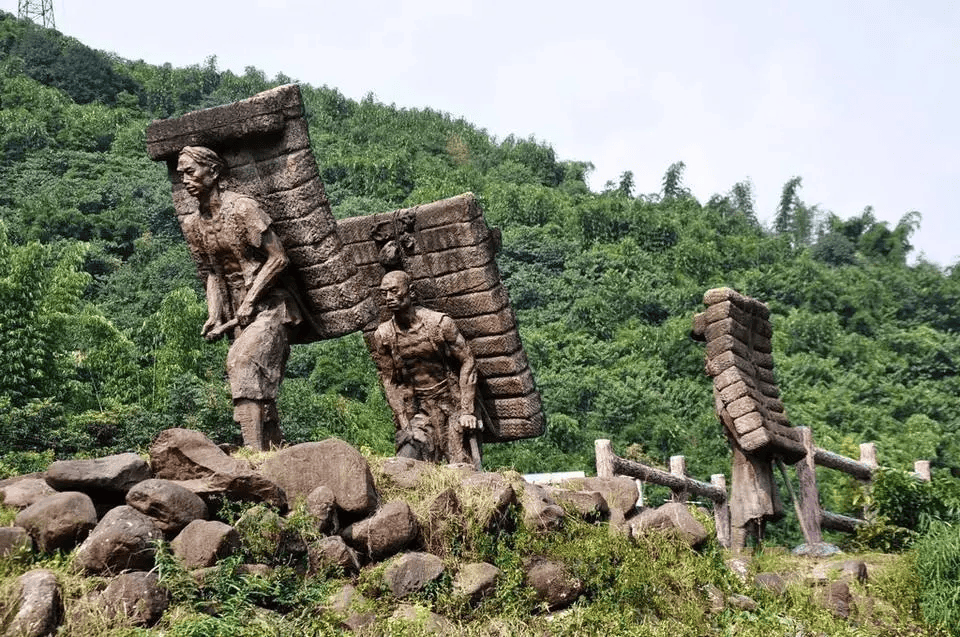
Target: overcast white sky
(859,98)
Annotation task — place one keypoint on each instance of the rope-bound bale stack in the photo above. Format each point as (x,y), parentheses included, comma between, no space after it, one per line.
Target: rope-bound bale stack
(739,357)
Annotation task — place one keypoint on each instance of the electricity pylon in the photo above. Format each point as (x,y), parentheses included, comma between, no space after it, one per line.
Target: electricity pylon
(38,11)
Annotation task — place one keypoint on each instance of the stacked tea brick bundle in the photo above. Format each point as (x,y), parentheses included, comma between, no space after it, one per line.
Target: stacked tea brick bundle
(738,334)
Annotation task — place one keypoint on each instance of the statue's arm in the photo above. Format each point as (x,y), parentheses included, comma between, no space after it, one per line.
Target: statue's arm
(213,328)
(457,345)
(275,263)
(392,390)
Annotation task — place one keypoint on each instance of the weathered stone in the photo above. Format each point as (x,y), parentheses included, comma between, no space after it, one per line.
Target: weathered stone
(245,487)
(322,508)
(423,619)
(59,521)
(857,569)
(184,454)
(40,608)
(837,598)
(332,552)
(489,495)
(742,602)
(266,534)
(389,530)
(14,540)
(715,597)
(410,572)
(772,582)
(202,543)
(300,469)
(357,622)
(739,566)
(340,601)
(673,517)
(23,493)
(171,505)
(203,575)
(405,472)
(620,492)
(589,505)
(108,475)
(540,512)
(124,539)
(137,596)
(554,586)
(476,580)
(193,461)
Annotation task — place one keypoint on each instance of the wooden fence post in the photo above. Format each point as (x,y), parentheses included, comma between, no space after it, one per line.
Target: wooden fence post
(808,500)
(605,458)
(868,454)
(721,511)
(678,467)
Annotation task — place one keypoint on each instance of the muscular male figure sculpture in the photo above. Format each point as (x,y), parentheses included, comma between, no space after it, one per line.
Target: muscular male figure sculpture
(429,377)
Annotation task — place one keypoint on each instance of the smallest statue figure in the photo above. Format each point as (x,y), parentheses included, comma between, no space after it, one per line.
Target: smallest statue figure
(429,376)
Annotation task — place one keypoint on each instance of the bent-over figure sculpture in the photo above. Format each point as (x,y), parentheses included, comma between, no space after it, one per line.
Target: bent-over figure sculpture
(429,378)
(242,260)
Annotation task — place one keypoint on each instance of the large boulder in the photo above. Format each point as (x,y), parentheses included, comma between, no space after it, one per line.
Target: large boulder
(589,505)
(674,518)
(410,572)
(125,539)
(554,586)
(300,469)
(171,505)
(490,496)
(40,607)
(246,487)
(59,521)
(389,530)
(193,461)
(332,552)
(476,580)
(540,512)
(406,472)
(201,543)
(110,475)
(136,595)
(322,508)
(23,493)
(620,494)
(184,454)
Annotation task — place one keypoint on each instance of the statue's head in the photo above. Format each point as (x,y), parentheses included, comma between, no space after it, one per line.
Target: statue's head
(200,169)
(395,289)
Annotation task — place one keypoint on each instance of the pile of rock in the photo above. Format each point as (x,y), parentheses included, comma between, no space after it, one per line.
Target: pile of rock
(112,512)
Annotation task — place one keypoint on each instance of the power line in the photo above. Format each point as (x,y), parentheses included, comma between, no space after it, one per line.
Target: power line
(38,11)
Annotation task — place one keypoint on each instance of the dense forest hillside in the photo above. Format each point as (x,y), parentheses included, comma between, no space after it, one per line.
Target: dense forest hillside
(100,309)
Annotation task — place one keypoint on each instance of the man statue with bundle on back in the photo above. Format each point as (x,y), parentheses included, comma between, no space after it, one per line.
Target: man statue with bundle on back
(429,377)
(242,261)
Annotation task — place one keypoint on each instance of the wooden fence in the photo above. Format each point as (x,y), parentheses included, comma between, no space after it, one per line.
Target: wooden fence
(610,465)
(813,518)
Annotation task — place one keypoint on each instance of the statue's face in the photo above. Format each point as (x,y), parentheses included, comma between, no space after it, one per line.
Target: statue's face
(396,293)
(197,178)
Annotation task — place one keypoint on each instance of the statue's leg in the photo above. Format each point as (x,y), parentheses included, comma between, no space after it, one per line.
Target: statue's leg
(255,366)
(248,414)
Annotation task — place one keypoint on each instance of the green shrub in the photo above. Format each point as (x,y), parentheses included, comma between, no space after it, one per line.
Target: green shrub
(938,565)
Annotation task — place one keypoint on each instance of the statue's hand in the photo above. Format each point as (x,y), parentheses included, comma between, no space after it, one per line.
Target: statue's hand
(245,314)
(209,325)
(469,421)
